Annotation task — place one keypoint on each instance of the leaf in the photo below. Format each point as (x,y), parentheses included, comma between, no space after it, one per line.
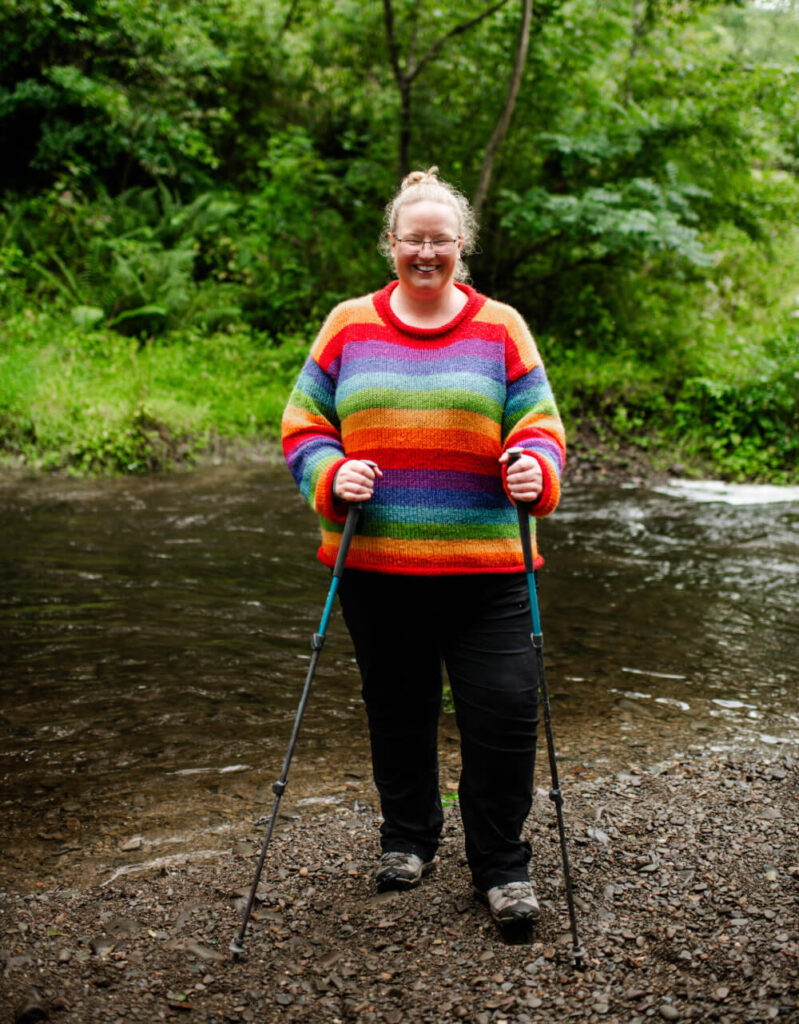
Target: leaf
(129,314)
(86,316)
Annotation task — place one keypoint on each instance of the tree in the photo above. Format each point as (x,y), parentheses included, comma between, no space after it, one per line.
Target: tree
(408,68)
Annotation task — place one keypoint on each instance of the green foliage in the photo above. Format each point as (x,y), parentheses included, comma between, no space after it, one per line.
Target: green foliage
(129,261)
(111,89)
(639,218)
(309,240)
(750,429)
(93,401)
(740,424)
(192,186)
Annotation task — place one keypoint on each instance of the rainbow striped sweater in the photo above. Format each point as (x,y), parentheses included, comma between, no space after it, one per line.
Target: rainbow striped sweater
(434,409)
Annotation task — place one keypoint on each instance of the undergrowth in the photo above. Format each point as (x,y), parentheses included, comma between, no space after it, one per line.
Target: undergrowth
(739,427)
(92,401)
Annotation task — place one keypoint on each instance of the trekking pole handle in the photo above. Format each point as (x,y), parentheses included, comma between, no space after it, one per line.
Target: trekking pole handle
(350,526)
(522,510)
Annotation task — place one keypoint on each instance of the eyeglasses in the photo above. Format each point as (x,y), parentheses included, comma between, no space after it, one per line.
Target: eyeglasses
(440,246)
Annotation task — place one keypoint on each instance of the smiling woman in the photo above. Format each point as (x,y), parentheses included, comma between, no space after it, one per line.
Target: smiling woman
(410,403)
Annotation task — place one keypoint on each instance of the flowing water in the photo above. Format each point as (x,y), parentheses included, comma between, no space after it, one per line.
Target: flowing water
(155,637)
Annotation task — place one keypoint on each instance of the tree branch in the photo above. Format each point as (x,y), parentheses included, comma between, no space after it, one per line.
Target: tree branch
(503,123)
(414,34)
(291,14)
(464,26)
(406,77)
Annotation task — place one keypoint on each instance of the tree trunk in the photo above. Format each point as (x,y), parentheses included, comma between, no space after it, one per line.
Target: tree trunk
(503,123)
(404,143)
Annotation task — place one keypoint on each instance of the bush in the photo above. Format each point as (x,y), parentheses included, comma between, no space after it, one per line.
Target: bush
(749,429)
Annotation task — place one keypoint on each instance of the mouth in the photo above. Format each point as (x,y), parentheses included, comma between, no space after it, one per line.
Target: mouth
(426,268)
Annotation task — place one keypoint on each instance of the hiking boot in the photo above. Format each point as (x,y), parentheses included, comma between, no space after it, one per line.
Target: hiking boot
(513,903)
(401,871)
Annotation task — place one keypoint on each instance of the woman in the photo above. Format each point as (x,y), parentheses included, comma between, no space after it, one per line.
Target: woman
(410,402)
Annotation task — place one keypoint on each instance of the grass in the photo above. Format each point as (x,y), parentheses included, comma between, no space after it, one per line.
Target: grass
(95,402)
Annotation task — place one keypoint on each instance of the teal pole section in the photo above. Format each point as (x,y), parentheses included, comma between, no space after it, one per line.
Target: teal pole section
(278,788)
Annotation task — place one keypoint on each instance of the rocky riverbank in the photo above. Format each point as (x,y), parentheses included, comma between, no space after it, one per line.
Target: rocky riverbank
(686,874)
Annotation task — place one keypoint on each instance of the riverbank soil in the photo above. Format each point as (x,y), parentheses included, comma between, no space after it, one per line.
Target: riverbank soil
(686,874)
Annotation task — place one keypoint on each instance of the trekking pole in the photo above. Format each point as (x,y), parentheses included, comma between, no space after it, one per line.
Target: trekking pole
(555,794)
(237,945)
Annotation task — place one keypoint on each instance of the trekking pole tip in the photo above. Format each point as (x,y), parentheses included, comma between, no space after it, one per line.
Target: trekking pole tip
(237,949)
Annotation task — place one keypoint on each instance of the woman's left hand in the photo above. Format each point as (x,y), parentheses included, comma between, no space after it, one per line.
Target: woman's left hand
(524,476)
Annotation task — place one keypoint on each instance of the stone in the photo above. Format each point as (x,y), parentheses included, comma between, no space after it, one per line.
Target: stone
(102,945)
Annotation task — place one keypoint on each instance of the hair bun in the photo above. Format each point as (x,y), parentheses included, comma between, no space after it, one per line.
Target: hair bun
(419,177)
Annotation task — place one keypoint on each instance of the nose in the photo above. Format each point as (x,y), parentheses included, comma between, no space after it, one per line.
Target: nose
(426,242)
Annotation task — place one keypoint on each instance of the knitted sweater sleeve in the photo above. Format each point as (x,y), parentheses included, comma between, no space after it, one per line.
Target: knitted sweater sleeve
(530,419)
(311,429)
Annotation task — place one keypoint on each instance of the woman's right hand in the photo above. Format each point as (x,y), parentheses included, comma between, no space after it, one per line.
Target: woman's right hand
(355,480)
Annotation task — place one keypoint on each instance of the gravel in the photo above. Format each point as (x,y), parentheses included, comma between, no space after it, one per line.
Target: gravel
(686,878)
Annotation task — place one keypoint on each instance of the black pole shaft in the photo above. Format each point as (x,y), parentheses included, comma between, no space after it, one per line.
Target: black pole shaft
(556,796)
(278,788)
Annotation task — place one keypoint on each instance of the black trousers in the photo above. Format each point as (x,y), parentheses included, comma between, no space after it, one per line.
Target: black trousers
(404,628)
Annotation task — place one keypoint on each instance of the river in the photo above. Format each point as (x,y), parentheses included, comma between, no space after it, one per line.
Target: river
(156,636)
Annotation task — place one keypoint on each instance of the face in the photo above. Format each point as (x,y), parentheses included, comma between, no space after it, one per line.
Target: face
(425,274)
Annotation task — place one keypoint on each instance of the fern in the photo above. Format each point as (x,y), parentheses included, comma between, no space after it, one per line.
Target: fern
(132,256)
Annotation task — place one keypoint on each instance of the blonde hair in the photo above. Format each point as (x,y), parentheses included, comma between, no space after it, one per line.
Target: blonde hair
(426,186)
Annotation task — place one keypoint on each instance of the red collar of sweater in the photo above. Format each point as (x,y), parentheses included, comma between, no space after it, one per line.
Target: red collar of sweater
(382,302)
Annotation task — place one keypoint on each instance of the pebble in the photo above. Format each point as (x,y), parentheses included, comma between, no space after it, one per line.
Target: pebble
(101,945)
(199,950)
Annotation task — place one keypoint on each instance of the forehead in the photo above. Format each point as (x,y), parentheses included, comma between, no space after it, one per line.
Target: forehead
(427,215)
